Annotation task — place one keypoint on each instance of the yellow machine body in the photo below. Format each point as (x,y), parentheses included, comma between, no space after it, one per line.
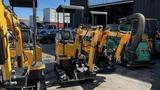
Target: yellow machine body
(10,22)
(86,44)
(6,68)
(125,38)
(97,36)
(39,53)
(158,34)
(101,38)
(67,50)
(29,55)
(70,50)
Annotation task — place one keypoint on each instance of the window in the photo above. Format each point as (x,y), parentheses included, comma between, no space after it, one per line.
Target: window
(50,27)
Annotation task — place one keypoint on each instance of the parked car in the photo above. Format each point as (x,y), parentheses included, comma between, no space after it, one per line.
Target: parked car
(46,33)
(50,29)
(45,37)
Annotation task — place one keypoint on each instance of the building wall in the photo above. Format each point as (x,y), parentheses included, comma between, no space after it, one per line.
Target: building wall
(79,2)
(76,19)
(116,10)
(50,15)
(98,2)
(150,8)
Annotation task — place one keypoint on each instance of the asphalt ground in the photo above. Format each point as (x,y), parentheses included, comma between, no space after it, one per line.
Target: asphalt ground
(122,79)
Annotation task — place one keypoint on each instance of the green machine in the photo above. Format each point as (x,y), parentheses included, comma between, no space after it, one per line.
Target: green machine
(141,55)
(136,52)
(111,45)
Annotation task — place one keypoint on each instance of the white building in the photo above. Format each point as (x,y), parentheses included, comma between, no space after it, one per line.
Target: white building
(50,15)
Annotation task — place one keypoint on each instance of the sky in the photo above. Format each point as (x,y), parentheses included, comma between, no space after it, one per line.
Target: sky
(26,12)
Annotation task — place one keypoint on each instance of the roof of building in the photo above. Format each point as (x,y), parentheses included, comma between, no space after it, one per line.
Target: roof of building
(98,12)
(116,2)
(69,9)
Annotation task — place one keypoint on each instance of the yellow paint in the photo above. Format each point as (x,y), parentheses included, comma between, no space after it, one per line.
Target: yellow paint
(95,39)
(67,52)
(99,39)
(3,29)
(10,22)
(124,40)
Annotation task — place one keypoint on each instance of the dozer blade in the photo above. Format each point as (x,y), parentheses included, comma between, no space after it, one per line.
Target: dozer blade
(81,77)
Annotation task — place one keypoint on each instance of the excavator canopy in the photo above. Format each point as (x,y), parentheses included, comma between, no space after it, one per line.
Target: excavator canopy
(23,3)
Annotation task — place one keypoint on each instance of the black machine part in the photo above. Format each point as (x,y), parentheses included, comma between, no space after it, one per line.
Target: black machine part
(22,3)
(140,29)
(27,36)
(93,13)
(65,35)
(72,71)
(19,61)
(2,55)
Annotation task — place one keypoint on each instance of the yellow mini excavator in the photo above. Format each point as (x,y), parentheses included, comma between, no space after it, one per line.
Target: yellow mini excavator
(109,51)
(114,46)
(128,46)
(106,50)
(20,68)
(71,64)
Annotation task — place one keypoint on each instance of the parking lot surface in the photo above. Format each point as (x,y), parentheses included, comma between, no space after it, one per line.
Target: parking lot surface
(122,79)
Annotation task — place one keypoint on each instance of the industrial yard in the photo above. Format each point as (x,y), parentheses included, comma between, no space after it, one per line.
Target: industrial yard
(79,45)
(122,79)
